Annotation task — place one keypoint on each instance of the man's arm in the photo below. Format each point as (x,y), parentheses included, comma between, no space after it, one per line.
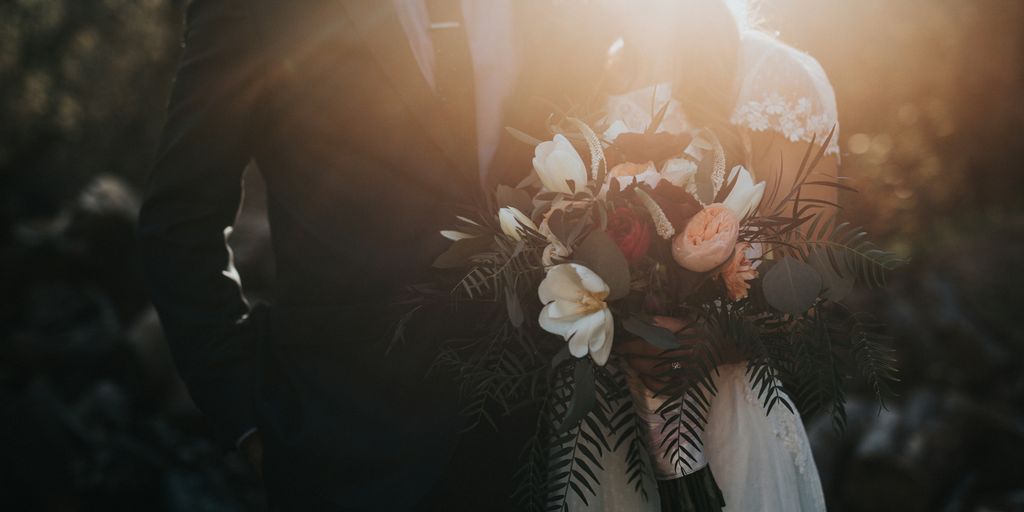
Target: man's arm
(191,198)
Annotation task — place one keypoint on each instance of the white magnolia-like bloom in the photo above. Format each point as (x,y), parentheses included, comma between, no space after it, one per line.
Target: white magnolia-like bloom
(513,222)
(745,195)
(575,309)
(557,163)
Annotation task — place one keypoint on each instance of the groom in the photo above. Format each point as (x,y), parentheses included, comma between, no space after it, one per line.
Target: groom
(368,120)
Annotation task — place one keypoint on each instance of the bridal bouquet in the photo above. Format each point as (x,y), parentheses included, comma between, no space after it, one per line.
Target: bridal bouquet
(603,242)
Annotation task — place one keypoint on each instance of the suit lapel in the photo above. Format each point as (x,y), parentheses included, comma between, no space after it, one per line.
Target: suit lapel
(377,24)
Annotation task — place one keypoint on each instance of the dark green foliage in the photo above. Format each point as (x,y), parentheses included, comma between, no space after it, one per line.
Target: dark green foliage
(799,347)
(83,88)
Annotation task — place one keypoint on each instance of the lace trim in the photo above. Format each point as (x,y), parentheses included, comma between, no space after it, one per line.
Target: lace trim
(784,425)
(793,118)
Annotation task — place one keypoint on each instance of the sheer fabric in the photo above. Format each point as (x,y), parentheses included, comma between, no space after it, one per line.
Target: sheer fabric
(786,91)
(762,461)
(779,89)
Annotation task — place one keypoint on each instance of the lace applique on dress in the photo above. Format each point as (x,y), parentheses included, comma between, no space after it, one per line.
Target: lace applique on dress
(779,89)
(785,426)
(784,90)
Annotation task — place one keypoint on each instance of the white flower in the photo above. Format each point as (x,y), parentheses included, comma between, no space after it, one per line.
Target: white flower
(555,251)
(575,308)
(557,163)
(745,195)
(679,171)
(617,128)
(514,222)
(455,236)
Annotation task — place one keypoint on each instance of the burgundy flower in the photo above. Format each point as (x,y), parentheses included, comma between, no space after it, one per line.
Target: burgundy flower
(630,232)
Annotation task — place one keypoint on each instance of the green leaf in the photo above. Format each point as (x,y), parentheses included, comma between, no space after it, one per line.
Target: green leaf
(600,254)
(583,396)
(461,252)
(514,197)
(558,224)
(522,136)
(657,336)
(825,261)
(515,308)
(792,286)
(561,357)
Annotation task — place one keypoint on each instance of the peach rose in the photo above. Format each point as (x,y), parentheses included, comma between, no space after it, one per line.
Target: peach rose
(737,272)
(708,239)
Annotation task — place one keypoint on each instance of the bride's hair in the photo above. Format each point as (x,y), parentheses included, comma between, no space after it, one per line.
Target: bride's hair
(703,49)
(706,57)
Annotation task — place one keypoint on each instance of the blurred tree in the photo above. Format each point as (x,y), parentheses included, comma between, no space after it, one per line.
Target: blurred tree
(82,91)
(930,101)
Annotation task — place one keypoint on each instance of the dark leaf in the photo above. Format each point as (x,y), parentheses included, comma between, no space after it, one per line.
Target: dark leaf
(460,252)
(562,356)
(515,308)
(514,197)
(600,254)
(792,286)
(657,336)
(640,148)
(583,396)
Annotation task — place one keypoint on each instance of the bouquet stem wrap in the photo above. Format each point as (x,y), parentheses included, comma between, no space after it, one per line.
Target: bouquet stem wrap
(683,487)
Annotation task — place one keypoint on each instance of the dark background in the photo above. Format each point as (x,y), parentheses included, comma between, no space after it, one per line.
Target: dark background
(92,416)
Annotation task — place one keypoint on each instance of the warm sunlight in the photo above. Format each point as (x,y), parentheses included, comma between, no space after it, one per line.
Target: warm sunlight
(511,255)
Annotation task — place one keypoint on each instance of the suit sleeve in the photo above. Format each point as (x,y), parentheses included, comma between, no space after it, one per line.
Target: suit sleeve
(191,199)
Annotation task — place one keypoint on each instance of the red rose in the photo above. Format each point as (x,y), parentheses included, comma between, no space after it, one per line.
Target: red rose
(630,232)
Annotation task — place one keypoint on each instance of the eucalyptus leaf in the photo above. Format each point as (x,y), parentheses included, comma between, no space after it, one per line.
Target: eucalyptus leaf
(653,334)
(792,286)
(584,396)
(599,253)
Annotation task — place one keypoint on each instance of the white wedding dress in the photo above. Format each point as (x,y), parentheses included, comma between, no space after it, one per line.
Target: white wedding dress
(762,462)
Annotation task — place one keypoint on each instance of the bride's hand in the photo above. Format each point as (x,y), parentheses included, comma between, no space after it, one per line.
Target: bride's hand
(653,364)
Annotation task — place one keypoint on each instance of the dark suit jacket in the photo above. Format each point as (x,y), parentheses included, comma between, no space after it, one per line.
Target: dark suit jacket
(325,96)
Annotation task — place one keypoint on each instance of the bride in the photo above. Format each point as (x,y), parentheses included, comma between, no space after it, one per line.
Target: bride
(767,101)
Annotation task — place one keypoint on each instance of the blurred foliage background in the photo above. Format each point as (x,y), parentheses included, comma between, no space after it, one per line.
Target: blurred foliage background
(92,415)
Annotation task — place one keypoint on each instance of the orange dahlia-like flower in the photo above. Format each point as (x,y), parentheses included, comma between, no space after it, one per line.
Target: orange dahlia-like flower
(708,239)
(737,273)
